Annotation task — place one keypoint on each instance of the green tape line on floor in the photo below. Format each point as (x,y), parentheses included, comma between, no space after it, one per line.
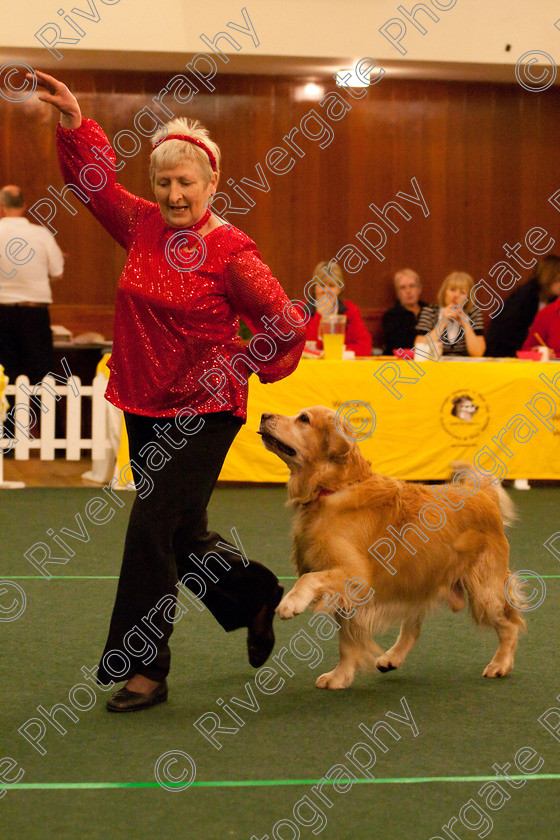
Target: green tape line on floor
(268,782)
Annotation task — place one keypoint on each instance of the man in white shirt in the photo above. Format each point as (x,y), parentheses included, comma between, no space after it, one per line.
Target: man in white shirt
(29,260)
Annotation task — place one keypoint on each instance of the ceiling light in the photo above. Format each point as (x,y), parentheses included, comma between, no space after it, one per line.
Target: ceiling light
(309,92)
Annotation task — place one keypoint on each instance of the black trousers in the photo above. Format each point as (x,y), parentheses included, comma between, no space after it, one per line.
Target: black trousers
(26,346)
(168,539)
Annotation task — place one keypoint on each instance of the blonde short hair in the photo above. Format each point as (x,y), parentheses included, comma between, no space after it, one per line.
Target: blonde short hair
(407,272)
(332,268)
(456,280)
(173,152)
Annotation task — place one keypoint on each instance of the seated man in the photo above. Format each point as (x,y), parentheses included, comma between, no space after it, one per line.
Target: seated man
(399,323)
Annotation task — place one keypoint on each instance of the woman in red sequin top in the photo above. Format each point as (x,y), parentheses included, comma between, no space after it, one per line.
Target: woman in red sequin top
(188,278)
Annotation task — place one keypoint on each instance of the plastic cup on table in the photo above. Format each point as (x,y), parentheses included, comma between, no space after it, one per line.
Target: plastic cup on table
(332,330)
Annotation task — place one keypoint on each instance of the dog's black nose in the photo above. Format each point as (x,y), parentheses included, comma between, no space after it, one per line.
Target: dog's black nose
(265,417)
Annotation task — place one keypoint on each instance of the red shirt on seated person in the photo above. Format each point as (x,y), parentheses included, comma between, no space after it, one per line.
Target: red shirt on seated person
(547,326)
(325,300)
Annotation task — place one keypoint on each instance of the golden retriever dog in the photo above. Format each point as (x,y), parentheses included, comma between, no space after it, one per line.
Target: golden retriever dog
(414,545)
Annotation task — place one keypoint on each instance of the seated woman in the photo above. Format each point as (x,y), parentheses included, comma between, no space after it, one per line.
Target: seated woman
(324,300)
(456,324)
(547,326)
(509,329)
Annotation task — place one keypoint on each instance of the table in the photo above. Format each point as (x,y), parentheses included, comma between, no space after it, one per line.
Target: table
(82,359)
(445,411)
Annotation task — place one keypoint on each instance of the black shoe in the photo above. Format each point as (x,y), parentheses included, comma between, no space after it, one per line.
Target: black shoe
(260,638)
(124,700)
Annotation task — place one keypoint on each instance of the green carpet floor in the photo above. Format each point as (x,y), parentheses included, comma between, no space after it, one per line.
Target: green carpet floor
(97,780)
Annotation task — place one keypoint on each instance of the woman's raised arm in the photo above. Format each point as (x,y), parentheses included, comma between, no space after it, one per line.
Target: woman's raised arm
(57,94)
(88,163)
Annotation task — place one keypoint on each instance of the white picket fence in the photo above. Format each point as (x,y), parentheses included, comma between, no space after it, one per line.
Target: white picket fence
(43,405)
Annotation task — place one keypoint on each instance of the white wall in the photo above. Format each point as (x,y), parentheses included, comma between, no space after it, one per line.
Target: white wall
(471,31)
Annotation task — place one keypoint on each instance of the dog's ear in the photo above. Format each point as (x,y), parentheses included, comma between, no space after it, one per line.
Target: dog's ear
(338,441)
(339,449)
(303,485)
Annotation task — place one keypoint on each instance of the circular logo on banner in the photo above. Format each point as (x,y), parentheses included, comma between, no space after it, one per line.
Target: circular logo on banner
(464,415)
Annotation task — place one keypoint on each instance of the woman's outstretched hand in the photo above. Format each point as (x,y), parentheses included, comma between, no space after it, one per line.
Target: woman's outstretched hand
(56,93)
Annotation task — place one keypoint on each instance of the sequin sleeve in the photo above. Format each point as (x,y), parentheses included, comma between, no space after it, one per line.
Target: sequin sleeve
(88,163)
(259,299)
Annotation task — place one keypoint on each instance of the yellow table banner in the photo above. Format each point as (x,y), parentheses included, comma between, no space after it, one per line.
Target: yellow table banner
(423,415)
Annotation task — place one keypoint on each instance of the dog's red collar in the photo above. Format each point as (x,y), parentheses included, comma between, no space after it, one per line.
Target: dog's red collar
(322,492)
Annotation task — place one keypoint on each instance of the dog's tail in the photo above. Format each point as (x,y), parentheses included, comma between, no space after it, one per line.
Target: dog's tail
(507,508)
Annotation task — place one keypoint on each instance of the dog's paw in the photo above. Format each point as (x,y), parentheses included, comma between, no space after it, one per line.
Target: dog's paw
(384,664)
(496,669)
(291,605)
(334,679)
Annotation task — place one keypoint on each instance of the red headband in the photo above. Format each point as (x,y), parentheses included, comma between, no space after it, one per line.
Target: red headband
(192,140)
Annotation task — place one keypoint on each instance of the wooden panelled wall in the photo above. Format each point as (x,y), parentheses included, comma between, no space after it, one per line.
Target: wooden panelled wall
(485,156)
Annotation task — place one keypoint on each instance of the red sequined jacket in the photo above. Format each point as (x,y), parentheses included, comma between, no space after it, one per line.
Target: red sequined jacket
(175,337)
